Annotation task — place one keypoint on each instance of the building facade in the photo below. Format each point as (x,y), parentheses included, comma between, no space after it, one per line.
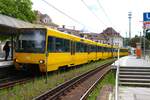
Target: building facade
(44,19)
(108,36)
(112,37)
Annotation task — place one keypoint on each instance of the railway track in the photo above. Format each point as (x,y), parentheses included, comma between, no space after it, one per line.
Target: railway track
(5,71)
(77,88)
(14,82)
(11,77)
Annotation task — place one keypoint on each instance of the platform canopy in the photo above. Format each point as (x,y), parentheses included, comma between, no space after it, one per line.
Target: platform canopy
(9,25)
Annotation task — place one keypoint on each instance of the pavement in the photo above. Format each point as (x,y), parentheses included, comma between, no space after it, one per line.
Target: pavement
(132,61)
(104,93)
(134,93)
(4,63)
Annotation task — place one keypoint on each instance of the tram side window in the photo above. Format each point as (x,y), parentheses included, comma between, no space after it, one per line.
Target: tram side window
(116,50)
(58,45)
(81,47)
(112,50)
(93,48)
(109,50)
(96,48)
(66,45)
(77,47)
(62,45)
(104,49)
(89,48)
(100,49)
(50,44)
(120,50)
(85,48)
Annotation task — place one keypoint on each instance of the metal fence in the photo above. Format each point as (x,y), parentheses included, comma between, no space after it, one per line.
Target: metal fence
(146,50)
(147,55)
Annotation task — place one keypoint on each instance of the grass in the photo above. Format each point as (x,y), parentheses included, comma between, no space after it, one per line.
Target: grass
(32,89)
(109,79)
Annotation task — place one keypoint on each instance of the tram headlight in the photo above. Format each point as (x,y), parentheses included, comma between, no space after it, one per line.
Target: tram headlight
(15,60)
(41,61)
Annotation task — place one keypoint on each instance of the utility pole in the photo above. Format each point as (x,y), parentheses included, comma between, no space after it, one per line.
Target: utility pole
(140,39)
(130,16)
(144,33)
(126,40)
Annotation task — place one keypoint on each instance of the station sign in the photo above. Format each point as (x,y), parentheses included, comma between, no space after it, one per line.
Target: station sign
(146,16)
(146,20)
(146,25)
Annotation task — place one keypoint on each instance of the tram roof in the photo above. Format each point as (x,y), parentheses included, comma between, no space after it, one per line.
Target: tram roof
(9,25)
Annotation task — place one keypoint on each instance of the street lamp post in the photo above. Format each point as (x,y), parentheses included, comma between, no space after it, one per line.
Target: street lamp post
(130,16)
(144,33)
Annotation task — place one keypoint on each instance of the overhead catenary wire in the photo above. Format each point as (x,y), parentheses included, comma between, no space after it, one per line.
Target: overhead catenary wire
(102,8)
(73,19)
(93,13)
(104,11)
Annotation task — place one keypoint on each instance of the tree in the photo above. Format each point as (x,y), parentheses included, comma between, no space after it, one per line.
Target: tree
(21,9)
(126,41)
(136,39)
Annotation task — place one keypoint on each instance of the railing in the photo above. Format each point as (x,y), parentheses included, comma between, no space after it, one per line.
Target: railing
(147,55)
(146,49)
(117,79)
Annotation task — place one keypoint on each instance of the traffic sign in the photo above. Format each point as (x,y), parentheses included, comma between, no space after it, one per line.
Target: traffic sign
(146,16)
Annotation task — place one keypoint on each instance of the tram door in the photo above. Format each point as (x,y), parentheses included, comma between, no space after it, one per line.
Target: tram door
(72,49)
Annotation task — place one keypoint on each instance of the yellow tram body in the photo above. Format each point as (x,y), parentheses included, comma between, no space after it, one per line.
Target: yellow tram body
(58,49)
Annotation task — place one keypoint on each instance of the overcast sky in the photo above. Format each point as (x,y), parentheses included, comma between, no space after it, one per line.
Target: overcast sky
(100,15)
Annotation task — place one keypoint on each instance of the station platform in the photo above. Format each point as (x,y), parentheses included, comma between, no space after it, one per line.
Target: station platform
(7,63)
(133,78)
(134,93)
(132,61)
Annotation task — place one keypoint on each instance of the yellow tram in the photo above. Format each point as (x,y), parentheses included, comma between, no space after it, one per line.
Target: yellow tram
(48,49)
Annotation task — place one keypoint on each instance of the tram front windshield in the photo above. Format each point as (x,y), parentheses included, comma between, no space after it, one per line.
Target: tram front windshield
(31,41)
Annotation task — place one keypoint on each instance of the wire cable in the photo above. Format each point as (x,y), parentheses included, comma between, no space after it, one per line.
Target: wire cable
(93,13)
(105,12)
(63,13)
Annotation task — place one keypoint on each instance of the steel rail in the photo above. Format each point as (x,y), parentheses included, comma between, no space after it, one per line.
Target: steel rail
(13,78)
(54,93)
(117,78)
(84,97)
(14,83)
